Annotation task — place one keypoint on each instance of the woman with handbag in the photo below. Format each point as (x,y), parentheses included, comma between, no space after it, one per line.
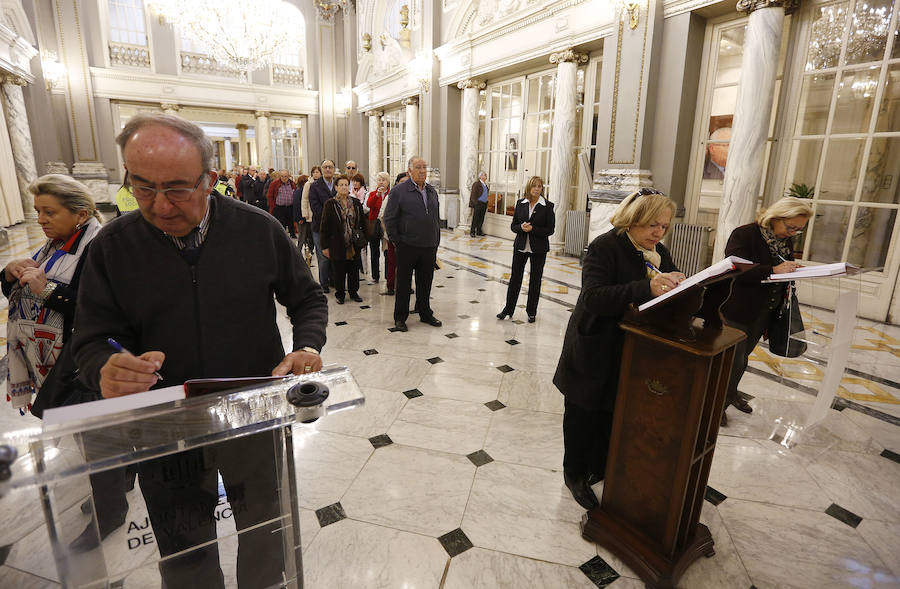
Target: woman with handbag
(753,307)
(343,234)
(374,202)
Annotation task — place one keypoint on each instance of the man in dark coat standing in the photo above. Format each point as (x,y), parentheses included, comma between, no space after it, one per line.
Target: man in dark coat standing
(247,190)
(413,225)
(320,191)
(478,202)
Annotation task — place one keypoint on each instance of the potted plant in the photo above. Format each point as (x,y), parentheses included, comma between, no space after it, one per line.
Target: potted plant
(799,191)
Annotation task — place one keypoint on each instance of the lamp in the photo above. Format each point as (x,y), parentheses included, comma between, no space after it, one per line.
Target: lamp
(53,70)
(629,10)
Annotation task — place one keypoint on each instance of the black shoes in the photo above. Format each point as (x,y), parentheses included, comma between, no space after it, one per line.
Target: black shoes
(741,404)
(400,326)
(532,318)
(356,297)
(87,540)
(340,300)
(390,292)
(724,421)
(326,290)
(581,491)
(431,320)
(504,314)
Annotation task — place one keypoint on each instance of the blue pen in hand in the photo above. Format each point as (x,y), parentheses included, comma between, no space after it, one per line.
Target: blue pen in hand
(653,269)
(118,347)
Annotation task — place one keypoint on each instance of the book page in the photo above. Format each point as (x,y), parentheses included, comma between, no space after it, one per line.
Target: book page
(815,271)
(720,267)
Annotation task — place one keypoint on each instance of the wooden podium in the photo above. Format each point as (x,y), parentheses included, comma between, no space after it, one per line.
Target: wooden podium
(674,375)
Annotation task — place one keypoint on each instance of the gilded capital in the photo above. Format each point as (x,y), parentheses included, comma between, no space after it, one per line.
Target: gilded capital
(367,42)
(470,83)
(241,127)
(166,106)
(748,6)
(374,113)
(261,114)
(14,80)
(411,101)
(568,55)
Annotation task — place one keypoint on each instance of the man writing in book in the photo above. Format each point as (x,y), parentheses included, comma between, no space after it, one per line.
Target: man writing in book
(188,286)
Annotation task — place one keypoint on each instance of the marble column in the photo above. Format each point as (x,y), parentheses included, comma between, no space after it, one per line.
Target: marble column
(752,113)
(20,139)
(375,144)
(468,148)
(263,139)
(562,155)
(229,160)
(243,158)
(170,108)
(412,126)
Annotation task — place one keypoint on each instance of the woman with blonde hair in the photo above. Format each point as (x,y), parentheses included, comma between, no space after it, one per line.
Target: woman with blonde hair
(533,223)
(42,289)
(627,265)
(753,306)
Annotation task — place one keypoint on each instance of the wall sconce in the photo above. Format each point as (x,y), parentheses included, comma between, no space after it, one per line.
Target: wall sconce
(52,69)
(367,42)
(343,101)
(420,70)
(631,11)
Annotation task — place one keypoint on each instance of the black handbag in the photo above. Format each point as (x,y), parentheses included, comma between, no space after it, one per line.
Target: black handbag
(62,386)
(358,239)
(787,323)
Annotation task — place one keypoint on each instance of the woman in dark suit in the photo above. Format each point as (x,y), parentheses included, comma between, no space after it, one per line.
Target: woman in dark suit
(533,223)
(752,305)
(341,215)
(627,265)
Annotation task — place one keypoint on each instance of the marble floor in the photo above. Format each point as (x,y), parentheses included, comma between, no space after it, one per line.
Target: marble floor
(450,475)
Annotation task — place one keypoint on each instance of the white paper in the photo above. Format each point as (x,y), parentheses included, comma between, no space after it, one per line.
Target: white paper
(69,413)
(720,267)
(815,271)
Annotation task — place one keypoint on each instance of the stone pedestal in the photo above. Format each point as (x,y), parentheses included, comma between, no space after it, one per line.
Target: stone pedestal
(94,176)
(263,139)
(375,145)
(20,139)
(243,157)
(627,179)
(468,148)
(562,158)
(603,203)
(412,126)
(57,168)
(755,95)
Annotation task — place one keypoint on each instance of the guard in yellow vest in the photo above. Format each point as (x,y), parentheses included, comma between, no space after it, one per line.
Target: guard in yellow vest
(125,201)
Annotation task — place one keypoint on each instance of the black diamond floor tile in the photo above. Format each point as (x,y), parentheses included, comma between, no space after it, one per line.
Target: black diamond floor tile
(599,572)
(714,497)
(455,542)
(479,458)
(474,302)
(450,335)
(412,393)
(381,441)
(463,316)
(494,405)
(512,342)
(339,323)
(365,307)
(505,368)
(330,514)
(891,456)
(482,290)
(370,352)
(435,360)
(843,515)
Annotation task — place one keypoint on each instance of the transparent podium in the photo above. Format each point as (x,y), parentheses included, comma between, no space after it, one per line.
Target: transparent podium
(196,492)
(825,345)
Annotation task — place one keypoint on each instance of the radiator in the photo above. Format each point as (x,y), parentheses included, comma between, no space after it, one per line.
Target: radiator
(688,245)
(577,223)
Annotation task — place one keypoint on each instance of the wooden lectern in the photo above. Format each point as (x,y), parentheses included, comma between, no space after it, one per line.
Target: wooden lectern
(674,375)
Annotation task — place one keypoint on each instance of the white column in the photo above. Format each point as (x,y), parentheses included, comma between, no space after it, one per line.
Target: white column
(229,160)
(19,139)
(243,158)
(755,95)
(412,126)
(263,139)
(562,156)
(375,144)
(468,148)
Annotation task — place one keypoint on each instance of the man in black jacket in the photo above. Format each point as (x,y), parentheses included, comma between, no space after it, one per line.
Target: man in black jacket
(413,224)
(320,191)
(188,286)
(248,187)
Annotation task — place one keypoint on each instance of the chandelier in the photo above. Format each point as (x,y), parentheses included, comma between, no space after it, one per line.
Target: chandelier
(242,35)
(867,36)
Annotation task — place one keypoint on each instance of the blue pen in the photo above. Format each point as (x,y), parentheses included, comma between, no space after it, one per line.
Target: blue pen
(652,267)
(118,347)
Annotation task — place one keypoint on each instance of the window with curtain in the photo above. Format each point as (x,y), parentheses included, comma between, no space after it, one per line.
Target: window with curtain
(845,145)
(126,22)
(286,145)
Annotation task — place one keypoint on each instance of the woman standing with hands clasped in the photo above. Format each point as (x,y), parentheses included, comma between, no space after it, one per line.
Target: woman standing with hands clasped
(627,265)
(342,218)
(533,223)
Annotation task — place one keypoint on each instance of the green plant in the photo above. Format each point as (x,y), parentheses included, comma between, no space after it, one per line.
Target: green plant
(800,191)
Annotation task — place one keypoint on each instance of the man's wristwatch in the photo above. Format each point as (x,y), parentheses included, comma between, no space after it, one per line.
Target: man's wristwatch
(48,290)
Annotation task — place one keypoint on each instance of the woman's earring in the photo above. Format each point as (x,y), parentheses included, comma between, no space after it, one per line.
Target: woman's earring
(77,226)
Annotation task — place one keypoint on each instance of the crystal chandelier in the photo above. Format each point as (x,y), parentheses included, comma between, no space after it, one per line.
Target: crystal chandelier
(867,37)
(243,35)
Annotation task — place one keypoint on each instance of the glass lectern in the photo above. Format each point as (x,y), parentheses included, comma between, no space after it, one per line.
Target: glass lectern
(193,492)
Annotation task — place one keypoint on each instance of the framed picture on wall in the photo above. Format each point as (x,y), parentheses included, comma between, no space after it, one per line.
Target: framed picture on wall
(717,147)
(512,151)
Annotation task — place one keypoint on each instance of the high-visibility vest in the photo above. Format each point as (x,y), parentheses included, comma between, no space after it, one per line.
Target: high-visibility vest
(125,200)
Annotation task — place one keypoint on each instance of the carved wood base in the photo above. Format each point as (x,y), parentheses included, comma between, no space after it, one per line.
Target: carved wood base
(657,570)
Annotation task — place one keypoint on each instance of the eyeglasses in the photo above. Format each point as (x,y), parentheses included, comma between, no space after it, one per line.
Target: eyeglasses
(173,194)
(351,167)
(647,191)
(792,228)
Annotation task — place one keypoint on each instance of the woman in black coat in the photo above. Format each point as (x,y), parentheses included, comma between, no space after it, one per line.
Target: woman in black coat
(627,265)
(753,306)
(342,215)
(533,223)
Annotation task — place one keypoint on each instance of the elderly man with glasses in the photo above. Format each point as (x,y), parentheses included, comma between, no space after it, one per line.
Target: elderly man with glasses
(188,286)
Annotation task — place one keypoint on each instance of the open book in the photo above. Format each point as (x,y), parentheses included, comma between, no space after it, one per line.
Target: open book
(720,267)
(837,269)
